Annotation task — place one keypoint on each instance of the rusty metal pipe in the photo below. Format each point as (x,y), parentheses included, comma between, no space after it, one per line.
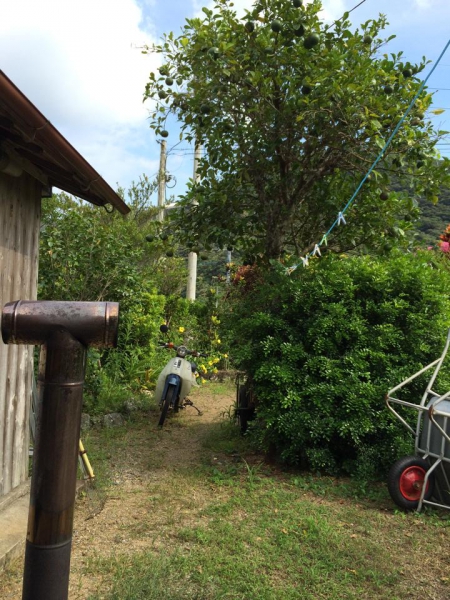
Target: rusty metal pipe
(65,330)
(31,322)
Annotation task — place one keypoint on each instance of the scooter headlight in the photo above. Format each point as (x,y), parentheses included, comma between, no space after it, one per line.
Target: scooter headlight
(182,351)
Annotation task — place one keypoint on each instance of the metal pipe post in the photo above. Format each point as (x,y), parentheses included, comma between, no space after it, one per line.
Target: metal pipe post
(65,330)
(55,458)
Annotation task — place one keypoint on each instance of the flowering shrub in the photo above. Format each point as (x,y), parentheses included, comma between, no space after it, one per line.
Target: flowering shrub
(444,243)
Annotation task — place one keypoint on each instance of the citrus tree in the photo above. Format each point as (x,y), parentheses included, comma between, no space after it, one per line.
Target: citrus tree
(291,113)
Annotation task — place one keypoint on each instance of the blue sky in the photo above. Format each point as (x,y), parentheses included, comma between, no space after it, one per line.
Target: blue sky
(79,62)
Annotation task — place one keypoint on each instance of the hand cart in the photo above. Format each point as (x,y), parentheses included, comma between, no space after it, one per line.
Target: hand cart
(424,478)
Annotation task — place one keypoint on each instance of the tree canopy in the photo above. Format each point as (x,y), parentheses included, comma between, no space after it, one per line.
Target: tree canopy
(291,113)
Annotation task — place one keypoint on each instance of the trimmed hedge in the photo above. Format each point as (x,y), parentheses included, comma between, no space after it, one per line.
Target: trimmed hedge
(324,345)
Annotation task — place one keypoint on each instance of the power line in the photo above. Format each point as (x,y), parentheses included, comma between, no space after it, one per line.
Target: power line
(347,12)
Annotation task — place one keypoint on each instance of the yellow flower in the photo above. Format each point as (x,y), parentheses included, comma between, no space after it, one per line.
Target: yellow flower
(225,355)
(181,329)
(203,380)
(215,361)
(210,363)
(215,370)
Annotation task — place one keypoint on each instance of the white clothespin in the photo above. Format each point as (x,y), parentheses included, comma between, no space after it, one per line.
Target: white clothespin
(305,261)
(316,250)
(341,219)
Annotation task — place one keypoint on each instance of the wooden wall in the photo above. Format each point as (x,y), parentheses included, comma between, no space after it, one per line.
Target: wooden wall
(20,205)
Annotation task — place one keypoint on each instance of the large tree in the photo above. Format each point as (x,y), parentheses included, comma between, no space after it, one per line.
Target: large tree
(291,113)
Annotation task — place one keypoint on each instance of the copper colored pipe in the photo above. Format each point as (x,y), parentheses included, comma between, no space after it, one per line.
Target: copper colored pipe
(65,330)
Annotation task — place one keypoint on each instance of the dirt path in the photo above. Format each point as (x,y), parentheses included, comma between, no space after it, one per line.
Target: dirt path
(137,512)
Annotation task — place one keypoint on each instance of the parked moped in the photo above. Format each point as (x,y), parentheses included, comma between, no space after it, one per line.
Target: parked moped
(175,380)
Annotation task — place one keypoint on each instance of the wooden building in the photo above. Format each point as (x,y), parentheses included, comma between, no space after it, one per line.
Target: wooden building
(34,157)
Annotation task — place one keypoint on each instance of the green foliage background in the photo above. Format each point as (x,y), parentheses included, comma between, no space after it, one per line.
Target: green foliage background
(322,348)
(88,254)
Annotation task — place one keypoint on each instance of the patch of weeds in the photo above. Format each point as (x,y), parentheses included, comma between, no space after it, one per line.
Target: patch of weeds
(253,473)
(225,437)
(352,489)
(224,475)
(220,388)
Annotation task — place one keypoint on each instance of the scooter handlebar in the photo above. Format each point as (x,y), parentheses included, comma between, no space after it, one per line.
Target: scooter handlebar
(173,347)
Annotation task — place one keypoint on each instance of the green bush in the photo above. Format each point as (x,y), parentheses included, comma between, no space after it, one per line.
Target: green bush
(323,346)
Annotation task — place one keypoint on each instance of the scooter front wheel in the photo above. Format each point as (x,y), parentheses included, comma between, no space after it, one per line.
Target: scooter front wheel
(165,407)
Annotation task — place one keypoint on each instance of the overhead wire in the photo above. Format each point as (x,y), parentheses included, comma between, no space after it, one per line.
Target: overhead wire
(347,12)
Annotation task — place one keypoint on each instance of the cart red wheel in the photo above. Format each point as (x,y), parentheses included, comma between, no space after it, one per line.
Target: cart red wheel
(406,479)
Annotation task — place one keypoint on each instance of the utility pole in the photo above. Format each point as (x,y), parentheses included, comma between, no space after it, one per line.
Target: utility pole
(228,266)
(162,181)
(192,258)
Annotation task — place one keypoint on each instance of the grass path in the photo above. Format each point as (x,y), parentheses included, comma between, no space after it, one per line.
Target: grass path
(191,513)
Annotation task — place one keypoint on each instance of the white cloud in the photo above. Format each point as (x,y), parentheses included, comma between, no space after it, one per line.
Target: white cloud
(78,57)
(79,63)
(116,158)
(332,9)
(239,6)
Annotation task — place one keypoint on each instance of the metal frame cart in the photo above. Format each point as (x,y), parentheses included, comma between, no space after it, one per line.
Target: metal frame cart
(424,478)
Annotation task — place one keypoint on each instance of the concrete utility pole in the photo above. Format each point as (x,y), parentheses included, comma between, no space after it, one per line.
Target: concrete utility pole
(192,258)
(162,181)
(228,266)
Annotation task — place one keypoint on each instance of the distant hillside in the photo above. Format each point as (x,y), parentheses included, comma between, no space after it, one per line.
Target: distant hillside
(434,218)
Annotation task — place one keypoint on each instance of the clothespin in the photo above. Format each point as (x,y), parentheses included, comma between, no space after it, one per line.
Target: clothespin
(341,219)
(290,270)
(316,250)
(305,260)
(324,240)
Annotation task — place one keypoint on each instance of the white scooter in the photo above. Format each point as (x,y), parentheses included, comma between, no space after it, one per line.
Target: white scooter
(175,380)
